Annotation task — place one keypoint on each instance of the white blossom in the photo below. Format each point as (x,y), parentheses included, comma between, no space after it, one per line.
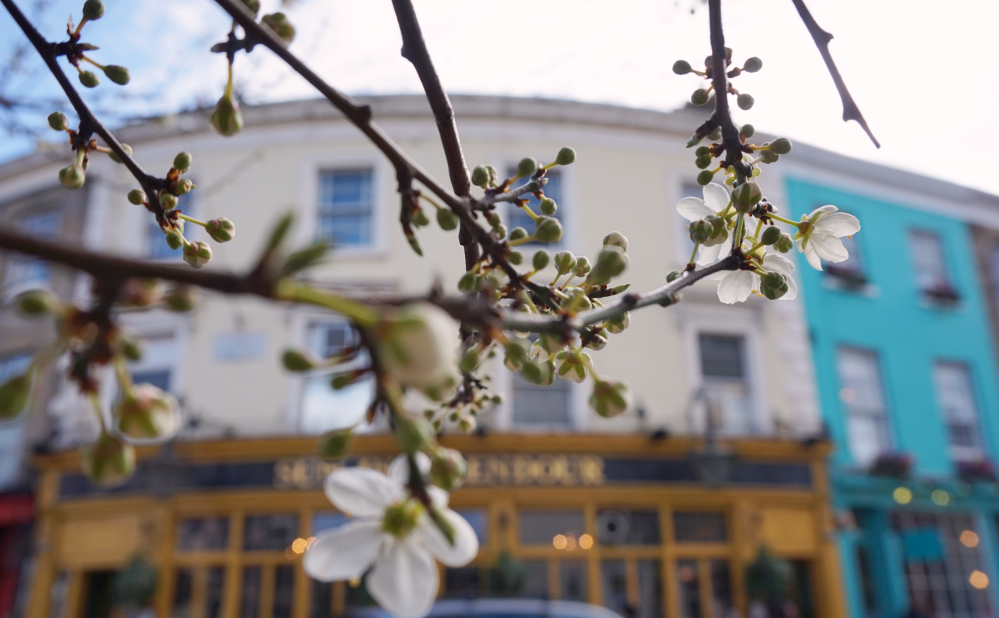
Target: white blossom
(417,345)
(716,199)
(821,238)
(736,286)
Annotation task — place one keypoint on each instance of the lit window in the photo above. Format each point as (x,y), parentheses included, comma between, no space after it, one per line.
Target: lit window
(22,272)
(956,399)
(516,217)
(863,399)
(930,265)
(345,207)
(323,408)
(156,246)
(725,383)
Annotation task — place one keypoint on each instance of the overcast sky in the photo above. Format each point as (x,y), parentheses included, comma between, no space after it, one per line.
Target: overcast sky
(922,72)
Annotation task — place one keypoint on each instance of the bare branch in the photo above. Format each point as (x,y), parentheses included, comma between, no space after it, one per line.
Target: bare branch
(822,38)
(722,116)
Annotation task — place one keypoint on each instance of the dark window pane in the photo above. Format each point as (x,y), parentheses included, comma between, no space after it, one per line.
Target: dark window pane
(213,593)
(541,405)
(518,218)
(269,532)
(535,580)
(250,606)
(541,527)
(721,587)
(358,596)
(619,527)
(345,207)
(182,593)
(322,600)
(203,534)
(572,577)
(650,589)
(462,583)
(284,589)
(689,582)
(801,588)
(699,527)
(159,378)
(97,600)
(614,580)
(721,356)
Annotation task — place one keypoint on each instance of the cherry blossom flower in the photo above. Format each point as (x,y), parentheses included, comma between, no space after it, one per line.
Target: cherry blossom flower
(819,235)
(417,346)
(736,286)
(716,199)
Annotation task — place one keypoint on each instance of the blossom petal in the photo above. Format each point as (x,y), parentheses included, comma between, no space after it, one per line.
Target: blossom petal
(828,247)
(792,289)
(404,580)
(362,492)
(838,224)
(737,286)
(716,197)
(693,209)
(779,263)
(344,553)
(466,543)
(809,250)
(829,208)
(438,497)
(398,470)
(710,255)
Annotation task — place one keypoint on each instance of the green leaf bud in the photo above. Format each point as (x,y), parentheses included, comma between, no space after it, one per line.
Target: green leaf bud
(716,134)
(469,283)
(15,394)
(117,74)
(703,150)
(746,196)
(610,398)
(480,176)
(548,206)
(58,121)
(500,231)
(341,381)
(72,176)
(700,231)
(448,469)
(37,302)
(752,65)
(131,348)
(469,360)
(784,243)
(611,262)
(745,101)
(447,219)
(197,253)
(566,156)
(415,435)
(493,174)
(682,67)
(168,201)
(108,462)
(705,177)
(527,166)
(703,161)
(296,361)
(114,155)
(771,235)
(175,239)
(180,299)
(747,131)
(616,239)
(693,141)
(493,219)
(221,229)
(516,258)
(518,233)
(278,22)
(137,196)
(549,230)
(618,324)
(226,118)
(583,266)
(335,444)
(673,276)
(184,186)
(420,218)
(541,259)
(767,156)
(781,146)
(89,79)
(182,162)
(699,97)
(93,10)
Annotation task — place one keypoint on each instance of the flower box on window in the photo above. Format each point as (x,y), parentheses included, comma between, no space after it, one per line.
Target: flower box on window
(893,465)
(942,293)
(979,470)
(851,278)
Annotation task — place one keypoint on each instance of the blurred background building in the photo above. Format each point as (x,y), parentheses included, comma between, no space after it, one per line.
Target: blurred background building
(892,351)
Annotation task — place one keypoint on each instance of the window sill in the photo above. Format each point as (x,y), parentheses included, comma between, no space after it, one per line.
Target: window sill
(839,284)
(936,304)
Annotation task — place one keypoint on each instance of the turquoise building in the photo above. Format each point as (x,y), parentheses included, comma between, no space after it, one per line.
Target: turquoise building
(906,374)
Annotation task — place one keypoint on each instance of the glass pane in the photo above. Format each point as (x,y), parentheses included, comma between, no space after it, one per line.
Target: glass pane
(572,578)
(324,409)
(957,403)
(284,590)
(928,260)
(622,527)
(159,378)
(729,402)
(322,600)
(97,594)
(516,217)
(689,583)
(478,519)
(321,522)
(699,527)
(721,588)
(182,593)
(213,593)
(541,527)
(800,591)
(614,582)
(203,534)
(721,356)
(650,589)
(462,583)
(345,205)
(867,438)
(535,580)
(269,532)
(853,265)
(541,405)
(250,605)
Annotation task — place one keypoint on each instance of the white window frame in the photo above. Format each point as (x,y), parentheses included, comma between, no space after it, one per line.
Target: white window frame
(947,276)
(891,437)
(380,175)
(960,453)
(501,417)
(569,217)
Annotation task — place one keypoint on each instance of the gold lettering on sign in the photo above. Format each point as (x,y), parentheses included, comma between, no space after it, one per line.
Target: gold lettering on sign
(483,470)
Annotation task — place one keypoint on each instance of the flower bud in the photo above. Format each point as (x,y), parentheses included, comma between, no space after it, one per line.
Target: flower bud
(583,266)
(564,261)
(417,345)
(773,285)
(699,97)
(493,219)
(147,413)
(58,121)
(767,156)
(136,196)
(469,283)
(611,262)
(184,186)
(527,166)
(130,347)
(746,196)
(745,101)
(548,206)
(616,239)
(681,67)
(278,22)
(752,65)
(415,435)
(618,324)
(784,243)
(705,178)
(182,162)
(89,79)
(448,469)
(771,235)
(470,360)
(500,231)
(447,219)
(93,10)
(117,74)
(716,134)
(610,398)
(549,230)
(180,299)
(703,161)
(114,155)
(693,141)
(480,176)
(703,150)
(597,342)
(566,156)
(341,381)
(226,118)
(197,253)
(15,394)
(535,372)
(518,233)
(541,259)
(516,258)
(420,218)
(221,229)
(253,5)
(108,462)
(72,176)
(673,276)
(781,146)
(335,444)
(168,201)
(174,238)
(747,131)
(700,231)
(38,302)
(296,361)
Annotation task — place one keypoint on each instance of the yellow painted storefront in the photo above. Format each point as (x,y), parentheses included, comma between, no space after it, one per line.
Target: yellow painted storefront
(225,522)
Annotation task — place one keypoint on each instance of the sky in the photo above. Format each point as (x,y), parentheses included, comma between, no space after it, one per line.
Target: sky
(919,70)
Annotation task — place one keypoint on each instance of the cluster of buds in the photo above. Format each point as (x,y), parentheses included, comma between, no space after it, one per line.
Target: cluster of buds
(92,11)
(75,175)
(702,96)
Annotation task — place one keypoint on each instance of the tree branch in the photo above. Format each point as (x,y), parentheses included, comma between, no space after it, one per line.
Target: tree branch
(822,38)
(722,116)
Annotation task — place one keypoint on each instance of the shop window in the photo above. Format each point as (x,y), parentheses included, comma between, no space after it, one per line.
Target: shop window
(462,583)
(862,396)
(156,246)
(323,597)
(725,383)
(572,581)
(721,588)
(956,400)
(252,584)
(689,527)
(323,408)
(650,589)
(269,532)
(850,272)
(23,272)
(346,207)
(203,534)
(551,527)
(284,590)
(930,264)
(614,580)
(535,580)
(689,585)
(183,583)
(623,527)
(204,585)
(516,217)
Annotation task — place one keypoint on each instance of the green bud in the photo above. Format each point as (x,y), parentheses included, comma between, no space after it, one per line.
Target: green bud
(746,196)
(548,206)
(541,259)
(616,239)
(168,200)
(682,67)
(493,174)
(767,156)
(610,398)
(278,22)
(114,155)
(693,141)
(745,101)
(15,394)
(618,324)
(703,150)
(781,146)
(705,177)
(699,97)
(784,243)
(341,381)
(93,10)
(226,118)
(58,121)
(527,166)
(493,219)
(673,276)
(469,283)
(771,235)
(221,229)
(296,361)
(180,299)
(752,65)
(253,5)
(516,258)
(131,349)
(700,231)
(448,469)
(747,131)
(518,233)
(184,186)
(480,176)
(469,360)
(89,79)
(182,162)
(611,262)
(583,266)
(137,196)
(175,239)
(565,261)
(703,161)
(566,156)
(415,435)
(108,462)
(420,218)
(72,176)
(335,444)
(37,302)
(500,231)
(716,134)
(197,253)
(447,219)
(773,285)
(549,230)
(117,74)
(718,236)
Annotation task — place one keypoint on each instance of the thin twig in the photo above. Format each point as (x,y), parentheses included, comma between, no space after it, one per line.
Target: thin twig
(822,38)
(722,116)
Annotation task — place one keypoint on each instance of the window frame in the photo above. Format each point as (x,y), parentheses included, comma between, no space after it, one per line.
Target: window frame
(961,453)
(311,193)
(947,291)
(888,420)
